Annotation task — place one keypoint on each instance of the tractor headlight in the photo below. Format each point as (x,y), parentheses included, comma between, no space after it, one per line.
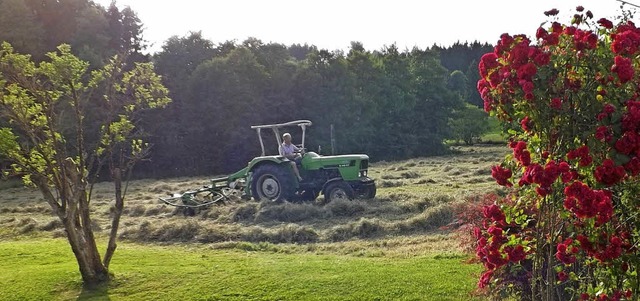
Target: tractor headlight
(363,173)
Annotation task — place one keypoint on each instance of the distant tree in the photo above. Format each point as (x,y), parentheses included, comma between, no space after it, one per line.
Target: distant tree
(472,79)
(226,97)
(361,95)
(91,39)
(464,57)
(58,19)
(179,57)
(321,90)
(459,55)
(50,144)
(20,28)
(125,33)
(300,52)
(469,123)
(95,33)
(435,102)
(459,83)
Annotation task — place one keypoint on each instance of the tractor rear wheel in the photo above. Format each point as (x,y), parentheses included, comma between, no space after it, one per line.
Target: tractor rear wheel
(338,190)
(272,182)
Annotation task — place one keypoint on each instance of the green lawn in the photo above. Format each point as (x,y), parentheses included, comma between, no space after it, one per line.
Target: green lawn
(44,269)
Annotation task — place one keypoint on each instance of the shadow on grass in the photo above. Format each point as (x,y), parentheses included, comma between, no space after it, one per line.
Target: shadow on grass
(100,292)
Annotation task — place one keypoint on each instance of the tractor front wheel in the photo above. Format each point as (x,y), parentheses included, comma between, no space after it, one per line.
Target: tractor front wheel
(338,190)
(369,192)
(272,182)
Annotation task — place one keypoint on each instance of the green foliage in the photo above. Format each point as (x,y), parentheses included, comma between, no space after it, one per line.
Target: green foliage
(19,26)
(387,103)
(469,124)
(38,100)
(459,83)
(95,33)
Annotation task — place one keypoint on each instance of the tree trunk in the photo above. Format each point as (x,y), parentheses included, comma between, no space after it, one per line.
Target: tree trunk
(115,222)
(79,231)
(91,268)
(73,210)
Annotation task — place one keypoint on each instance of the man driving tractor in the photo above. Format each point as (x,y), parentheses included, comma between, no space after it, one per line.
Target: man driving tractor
(291,152)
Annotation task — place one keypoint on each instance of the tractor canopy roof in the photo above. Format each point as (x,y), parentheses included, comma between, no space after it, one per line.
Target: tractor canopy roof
(276,130)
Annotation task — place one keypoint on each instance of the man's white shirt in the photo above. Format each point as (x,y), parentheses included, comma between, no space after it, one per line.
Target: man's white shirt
(286,150)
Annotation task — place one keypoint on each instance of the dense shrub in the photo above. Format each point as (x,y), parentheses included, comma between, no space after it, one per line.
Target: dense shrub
(570,101)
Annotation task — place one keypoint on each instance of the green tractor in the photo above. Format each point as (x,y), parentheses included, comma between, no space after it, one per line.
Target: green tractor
(271,176)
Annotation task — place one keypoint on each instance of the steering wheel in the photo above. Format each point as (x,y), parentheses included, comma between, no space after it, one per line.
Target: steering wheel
(301,150)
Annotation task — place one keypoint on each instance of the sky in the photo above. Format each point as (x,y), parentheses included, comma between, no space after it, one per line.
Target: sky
(333,24)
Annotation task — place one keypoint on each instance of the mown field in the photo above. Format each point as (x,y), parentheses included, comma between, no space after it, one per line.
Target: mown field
(390,248)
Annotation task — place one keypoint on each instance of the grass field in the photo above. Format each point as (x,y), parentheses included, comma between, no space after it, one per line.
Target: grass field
(388,248)
(44,270)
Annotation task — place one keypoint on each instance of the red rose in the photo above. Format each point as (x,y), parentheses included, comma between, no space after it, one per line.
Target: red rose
(633,166)
(609,108)
(521,153)
(581,153)
(585,243)
(608,173)
(571,30)
(603,134)
(628,143)
(551,12)
(488,62)
(485,279)
(494,79)
(542,58)
(553,39)
(541,33)
(623,68)
(501,175)
(504,44)
(519,56)
(626,27)
(631,120)
(527,86)
(515,254)
(587,203)
(605,23)
(626,43)
(532,174)
(556,103)
(527,71)
(584,39)
(562,276)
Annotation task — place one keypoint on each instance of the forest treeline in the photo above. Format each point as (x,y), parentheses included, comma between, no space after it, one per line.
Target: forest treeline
(389,103)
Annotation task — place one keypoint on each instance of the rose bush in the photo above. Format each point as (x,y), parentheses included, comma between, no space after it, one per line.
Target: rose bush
(570,102)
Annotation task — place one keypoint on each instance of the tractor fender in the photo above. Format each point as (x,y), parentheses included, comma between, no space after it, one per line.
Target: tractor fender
(263,161)
(329,182)
(259,161)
